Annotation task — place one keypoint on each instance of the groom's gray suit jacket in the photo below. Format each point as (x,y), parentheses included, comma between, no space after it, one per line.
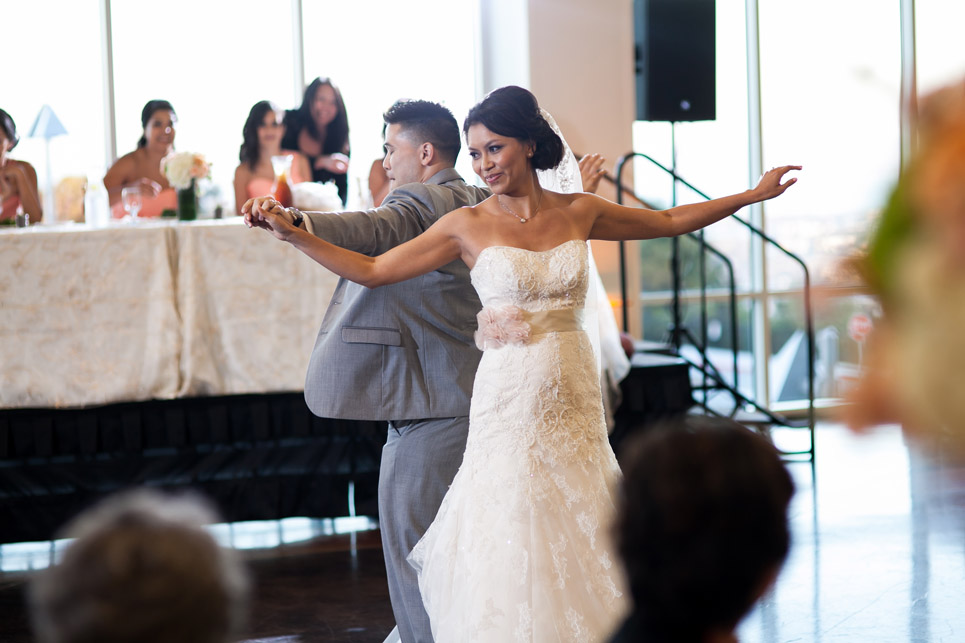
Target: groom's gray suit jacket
(403,351)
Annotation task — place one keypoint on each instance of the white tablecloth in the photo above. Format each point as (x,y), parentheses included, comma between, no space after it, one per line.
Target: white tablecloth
(153,311)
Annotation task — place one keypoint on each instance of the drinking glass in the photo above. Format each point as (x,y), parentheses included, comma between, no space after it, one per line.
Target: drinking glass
(131,197)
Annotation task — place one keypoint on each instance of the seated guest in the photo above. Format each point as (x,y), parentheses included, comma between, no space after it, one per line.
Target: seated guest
(144,569)
(319,130)
(18,179)
(702,529)
(142,168)
(262,136)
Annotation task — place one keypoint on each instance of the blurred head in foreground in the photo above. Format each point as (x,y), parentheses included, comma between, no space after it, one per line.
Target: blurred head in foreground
(702,528)
(142,568)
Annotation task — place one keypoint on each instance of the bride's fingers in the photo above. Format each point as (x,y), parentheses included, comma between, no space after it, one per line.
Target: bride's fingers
(784,169)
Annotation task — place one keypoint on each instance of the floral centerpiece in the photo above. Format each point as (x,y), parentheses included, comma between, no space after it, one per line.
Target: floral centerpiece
(182,170)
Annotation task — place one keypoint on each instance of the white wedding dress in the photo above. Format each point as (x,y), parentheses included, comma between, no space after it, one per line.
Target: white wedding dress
(521,547)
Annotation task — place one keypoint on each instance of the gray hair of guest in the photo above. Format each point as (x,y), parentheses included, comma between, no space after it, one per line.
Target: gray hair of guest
(426,122)
(142,568)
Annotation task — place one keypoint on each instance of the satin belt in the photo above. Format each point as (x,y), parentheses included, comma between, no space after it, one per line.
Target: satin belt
(560,320)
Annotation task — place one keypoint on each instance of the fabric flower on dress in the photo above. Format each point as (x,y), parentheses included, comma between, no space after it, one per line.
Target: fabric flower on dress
(499,326)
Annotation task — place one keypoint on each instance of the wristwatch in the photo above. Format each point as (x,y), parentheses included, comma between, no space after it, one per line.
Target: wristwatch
(297,217)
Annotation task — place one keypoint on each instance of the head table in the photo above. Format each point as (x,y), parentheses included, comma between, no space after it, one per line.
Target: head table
(172,355)
(153,310)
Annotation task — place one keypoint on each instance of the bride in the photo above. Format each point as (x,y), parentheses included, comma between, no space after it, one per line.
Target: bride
(520,549)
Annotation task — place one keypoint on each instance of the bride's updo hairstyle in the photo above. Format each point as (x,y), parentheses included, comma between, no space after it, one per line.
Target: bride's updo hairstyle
(513,111)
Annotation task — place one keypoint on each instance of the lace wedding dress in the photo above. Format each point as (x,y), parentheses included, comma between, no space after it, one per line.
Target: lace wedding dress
(520,549)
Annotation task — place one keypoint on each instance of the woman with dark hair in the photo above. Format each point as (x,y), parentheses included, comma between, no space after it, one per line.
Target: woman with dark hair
(18,179)
(520,548)
(141,168)
(319,130)
(261,140)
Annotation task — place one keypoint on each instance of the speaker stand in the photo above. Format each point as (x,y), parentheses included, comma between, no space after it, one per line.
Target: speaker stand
(676,330)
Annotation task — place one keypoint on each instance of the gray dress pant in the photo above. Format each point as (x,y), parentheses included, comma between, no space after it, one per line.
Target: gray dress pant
(419,460)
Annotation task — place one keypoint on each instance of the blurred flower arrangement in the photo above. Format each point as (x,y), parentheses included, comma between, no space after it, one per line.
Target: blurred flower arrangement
(181,168)
(915,264)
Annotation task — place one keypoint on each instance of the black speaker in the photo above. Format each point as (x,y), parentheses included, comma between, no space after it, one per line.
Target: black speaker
(676,60)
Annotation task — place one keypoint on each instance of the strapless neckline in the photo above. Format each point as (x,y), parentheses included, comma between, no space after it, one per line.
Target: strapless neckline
(554,248)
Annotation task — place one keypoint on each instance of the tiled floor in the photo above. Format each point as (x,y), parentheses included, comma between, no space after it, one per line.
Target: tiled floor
(878,555)
(879,547)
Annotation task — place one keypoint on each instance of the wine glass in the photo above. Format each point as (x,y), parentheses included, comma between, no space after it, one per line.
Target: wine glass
(131,198)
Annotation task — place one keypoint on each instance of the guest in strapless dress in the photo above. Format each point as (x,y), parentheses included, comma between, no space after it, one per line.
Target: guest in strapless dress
(18,179)
(319,130)
(262,136)
(142,167)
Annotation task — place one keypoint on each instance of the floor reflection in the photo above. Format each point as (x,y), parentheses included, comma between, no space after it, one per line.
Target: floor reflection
(878,552)
(254,534)
(878,555)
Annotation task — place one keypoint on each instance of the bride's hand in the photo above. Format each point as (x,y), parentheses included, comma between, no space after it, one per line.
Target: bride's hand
(267,213)
(249,209)
(770,184)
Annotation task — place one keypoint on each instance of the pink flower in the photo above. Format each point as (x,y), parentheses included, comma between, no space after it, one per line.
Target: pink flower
(499,326)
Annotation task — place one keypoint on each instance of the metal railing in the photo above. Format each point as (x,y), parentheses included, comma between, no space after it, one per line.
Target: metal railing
(678,331)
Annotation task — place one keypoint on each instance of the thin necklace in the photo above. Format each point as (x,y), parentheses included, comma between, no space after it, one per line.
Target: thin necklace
(521,219)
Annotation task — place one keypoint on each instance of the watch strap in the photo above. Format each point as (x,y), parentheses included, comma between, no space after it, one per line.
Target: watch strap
(297,217)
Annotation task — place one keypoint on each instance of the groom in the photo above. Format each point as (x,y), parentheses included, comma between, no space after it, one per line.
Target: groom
(403,353)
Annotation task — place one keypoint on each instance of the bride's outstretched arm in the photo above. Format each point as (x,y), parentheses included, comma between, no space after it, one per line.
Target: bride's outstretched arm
(433,249)
(615,222)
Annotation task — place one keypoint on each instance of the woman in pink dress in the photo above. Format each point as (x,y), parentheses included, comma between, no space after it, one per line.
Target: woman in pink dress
(18,179)
(262,137)
(142,167)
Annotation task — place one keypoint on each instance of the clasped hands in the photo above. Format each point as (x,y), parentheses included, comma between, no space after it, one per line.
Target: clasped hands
(267,213)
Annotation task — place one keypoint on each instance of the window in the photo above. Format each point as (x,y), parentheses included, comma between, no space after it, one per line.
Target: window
(830,100)
(383,50)
(830,81)
(940,56)
(59,64)
(713,157)
(215,64)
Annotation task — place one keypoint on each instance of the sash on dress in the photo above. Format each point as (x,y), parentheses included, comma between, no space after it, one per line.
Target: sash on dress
(501,325)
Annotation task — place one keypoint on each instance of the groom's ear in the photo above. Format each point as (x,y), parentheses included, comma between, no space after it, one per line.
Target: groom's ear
(427,153)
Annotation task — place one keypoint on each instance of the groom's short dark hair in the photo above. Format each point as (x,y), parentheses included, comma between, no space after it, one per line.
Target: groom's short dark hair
(428,122)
